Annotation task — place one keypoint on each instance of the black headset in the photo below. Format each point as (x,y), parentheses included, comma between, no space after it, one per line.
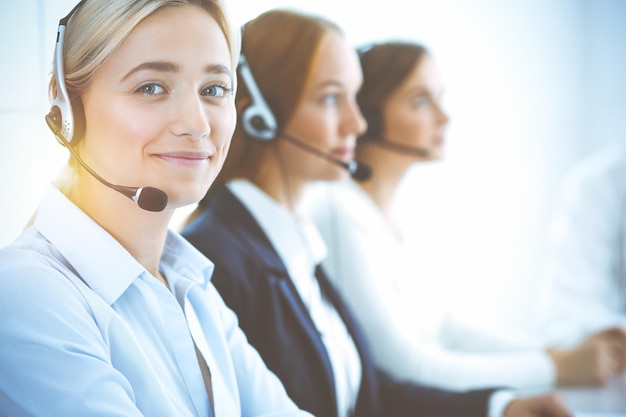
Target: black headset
(259,123)
(257,119)
(62,122)
(60,119)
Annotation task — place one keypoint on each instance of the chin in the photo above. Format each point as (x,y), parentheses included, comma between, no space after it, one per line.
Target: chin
(337,175)
(183,198)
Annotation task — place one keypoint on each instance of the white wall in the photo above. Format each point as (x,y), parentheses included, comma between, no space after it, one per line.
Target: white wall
(532,86)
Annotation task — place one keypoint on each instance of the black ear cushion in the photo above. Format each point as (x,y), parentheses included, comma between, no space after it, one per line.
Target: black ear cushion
(78,111)
(55,123)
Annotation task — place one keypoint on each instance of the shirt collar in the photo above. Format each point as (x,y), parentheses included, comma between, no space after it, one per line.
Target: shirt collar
(100,260)
(297,241)
(183,265)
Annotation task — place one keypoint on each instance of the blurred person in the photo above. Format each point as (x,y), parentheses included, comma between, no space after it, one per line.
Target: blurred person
(298,121)
(106,311)
(375,271)
(584,266)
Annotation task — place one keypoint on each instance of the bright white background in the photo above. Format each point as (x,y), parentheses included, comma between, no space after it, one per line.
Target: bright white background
(532,86)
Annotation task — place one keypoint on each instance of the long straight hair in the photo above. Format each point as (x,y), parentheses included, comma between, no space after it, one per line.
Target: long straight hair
(281,61)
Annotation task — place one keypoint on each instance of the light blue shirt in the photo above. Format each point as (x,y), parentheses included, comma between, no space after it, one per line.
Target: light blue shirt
(87,331)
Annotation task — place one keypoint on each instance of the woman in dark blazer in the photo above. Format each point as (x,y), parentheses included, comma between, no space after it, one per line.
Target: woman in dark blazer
(297,126)
(254,282)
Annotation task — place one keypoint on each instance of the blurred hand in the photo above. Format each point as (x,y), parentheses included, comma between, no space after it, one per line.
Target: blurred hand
(548,405)
(595,361)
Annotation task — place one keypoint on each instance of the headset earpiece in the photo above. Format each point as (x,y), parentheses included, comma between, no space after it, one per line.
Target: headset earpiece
(257,118)
(259,123)
(60,119)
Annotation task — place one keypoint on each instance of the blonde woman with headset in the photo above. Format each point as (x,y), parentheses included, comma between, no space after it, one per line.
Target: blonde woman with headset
(106,311)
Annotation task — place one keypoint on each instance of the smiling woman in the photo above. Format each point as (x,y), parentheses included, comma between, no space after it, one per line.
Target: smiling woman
(112,313)
(138,104)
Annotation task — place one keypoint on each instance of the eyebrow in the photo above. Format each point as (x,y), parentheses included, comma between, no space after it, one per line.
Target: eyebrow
(419,90)
(328,83)
(168,67)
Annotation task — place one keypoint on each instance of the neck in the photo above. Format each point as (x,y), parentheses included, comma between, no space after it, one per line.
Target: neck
(388,172)
(140,232)
(283,186)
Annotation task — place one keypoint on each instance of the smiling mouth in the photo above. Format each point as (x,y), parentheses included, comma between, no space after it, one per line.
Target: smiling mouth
(185,158)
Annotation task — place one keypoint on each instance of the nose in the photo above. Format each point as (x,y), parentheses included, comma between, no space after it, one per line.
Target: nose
(442,115)
(191,117)
(355,122)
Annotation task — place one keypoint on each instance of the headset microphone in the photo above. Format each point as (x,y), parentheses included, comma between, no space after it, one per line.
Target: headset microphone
(148,198)
(259,123)
(60,120)
(358,170)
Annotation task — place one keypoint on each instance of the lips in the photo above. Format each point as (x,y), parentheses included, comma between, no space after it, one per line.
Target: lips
(185,158)
(345,154)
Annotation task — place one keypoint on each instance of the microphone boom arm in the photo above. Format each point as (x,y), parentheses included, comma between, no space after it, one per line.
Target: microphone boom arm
(153,199)
(357,170)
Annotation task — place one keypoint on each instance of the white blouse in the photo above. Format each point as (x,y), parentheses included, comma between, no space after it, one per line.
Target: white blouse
(584,268)
(410,335)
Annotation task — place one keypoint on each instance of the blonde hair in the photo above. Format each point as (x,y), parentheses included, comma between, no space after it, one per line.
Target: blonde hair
(99,27)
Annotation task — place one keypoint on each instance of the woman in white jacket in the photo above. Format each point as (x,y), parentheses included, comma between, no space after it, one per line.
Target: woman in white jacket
(371,266)
(584,268)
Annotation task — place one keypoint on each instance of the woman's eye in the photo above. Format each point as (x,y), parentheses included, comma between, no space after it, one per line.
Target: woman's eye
(216,91)
(330,99)
(151,89)
(421,101)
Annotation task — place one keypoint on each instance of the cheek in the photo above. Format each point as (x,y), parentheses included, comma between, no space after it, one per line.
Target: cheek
(136,127)
(409,127)
(223,124)
(121,126)
(313,126)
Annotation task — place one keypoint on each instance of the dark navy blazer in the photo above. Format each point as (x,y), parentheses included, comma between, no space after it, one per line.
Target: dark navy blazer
(254,282)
